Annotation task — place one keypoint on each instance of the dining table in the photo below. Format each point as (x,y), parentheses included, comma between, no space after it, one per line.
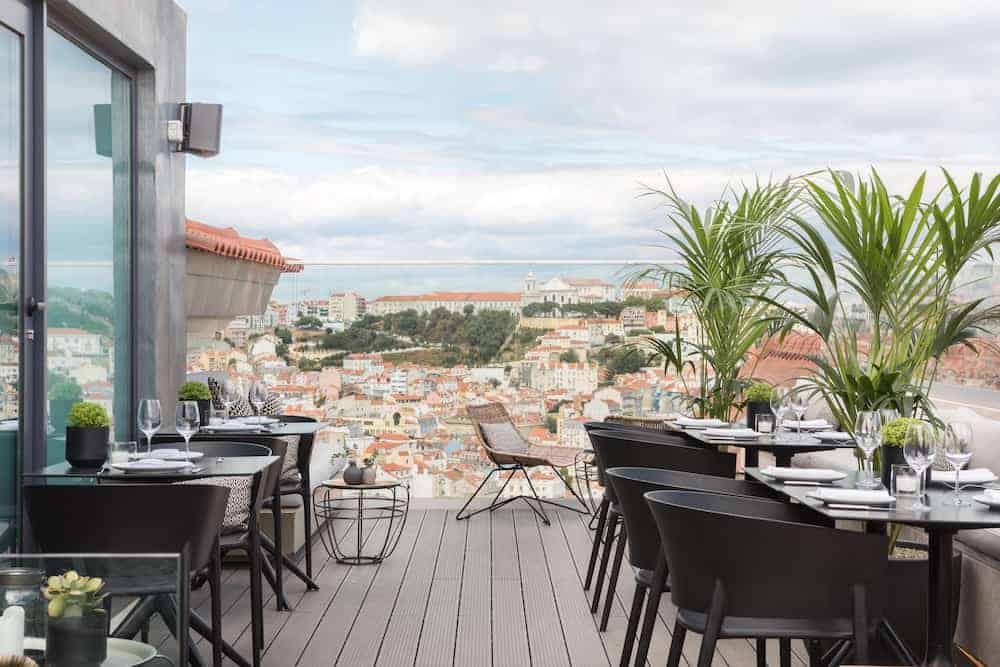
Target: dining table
(783,445)
(207,467)
(273,428)
(941,522)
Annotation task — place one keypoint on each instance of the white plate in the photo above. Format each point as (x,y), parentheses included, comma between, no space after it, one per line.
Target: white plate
(151,465)
(853,497)
(121,652)
(803,474)
(972,476)
(170,455)
(232,426)
(992,504)
(258,421)
(832,436)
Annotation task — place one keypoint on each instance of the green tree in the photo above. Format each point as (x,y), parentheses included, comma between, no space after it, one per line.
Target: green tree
(569,357)
(308,322)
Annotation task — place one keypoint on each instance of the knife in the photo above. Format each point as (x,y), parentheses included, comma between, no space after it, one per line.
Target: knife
(797,482)
(867,508)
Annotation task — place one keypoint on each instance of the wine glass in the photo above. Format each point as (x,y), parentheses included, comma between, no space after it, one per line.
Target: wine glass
(868,435)
(919,450)
(258,397)
(958,452)
(778,408)
(150,419)
(188,422)
(230,395)
(799,403)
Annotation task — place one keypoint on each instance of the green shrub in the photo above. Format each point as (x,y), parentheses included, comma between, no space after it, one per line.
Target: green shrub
(894,433)
(759,392)
(66,390)
(194,391)
(88,415)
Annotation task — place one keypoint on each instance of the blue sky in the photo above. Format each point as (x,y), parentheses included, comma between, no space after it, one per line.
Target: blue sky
(515,129)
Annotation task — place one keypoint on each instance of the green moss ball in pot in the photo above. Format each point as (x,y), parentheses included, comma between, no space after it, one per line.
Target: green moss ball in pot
(87,435)
(202,395)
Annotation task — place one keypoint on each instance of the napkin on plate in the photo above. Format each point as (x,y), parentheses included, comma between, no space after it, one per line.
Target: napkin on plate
(731,433)
(232,426)
(145,463)
(806,423)
(833,436)
(853,496)
(803,474)
(992,495)
(971,476)
(691,421)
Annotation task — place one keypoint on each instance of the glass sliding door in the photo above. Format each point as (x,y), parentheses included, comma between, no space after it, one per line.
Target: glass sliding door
(88,232)
(11,297)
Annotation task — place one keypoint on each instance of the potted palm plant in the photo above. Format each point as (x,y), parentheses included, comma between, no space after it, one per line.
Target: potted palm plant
(201,394)
(87,435)
(77,631)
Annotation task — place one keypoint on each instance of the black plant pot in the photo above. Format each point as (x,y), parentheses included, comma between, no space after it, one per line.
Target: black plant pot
(891,456)
(86,447)
(205,411)
(76,642)
(755,408)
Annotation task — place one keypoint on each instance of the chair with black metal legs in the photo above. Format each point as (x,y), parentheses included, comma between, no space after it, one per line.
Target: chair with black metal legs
(511,453)
(644,555)
(616,449)
(302,486)
(142,518)
(761,571)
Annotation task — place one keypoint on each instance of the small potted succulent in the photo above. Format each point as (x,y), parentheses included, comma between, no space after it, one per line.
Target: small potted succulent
(758,402)
(368,472)
(202,395)
(77,630)
(87,433)
(893,438)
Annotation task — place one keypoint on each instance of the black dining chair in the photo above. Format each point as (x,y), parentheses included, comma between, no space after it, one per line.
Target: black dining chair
(138,519)
(644,551)
(302,487)
(616,449)
(758,571)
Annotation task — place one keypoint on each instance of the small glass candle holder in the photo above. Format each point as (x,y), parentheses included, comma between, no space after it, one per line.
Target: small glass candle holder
(906,483)
(765,423)
(122,451)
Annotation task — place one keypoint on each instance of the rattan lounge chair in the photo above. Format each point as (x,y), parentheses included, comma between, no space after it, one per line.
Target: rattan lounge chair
(514,456)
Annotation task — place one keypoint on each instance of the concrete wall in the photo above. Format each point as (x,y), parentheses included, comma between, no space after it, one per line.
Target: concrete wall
(151,37)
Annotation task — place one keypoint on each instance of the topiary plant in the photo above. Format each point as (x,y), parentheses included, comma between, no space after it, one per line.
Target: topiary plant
(72,596)
(894,433)
(88,415)
(194,391)
(759,392)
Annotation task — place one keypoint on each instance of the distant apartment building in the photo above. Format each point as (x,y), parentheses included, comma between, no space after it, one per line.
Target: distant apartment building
(568,377)
(73,342)
(365,363)
(562,290)
(633,317)
(346,306)
(454,302)
(314,308)
(237,331)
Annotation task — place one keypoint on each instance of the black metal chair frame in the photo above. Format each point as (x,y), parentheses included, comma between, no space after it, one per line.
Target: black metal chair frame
(304,488)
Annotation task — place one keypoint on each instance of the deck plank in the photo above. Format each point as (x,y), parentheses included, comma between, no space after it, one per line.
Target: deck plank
(440,617)
(546,638)
(509,624)
(474,634)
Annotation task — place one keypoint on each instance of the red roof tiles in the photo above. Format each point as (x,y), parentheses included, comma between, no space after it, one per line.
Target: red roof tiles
(228,243)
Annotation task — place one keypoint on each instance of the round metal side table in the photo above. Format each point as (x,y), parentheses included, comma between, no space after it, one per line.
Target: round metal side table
(378,512)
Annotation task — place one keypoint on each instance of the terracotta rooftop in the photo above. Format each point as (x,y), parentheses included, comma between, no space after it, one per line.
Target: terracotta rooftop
(455,296)
(227,242)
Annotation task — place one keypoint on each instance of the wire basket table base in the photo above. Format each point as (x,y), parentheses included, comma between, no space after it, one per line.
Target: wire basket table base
(352,525)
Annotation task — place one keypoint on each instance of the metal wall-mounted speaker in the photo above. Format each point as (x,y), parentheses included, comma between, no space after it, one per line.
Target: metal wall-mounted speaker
(202,128)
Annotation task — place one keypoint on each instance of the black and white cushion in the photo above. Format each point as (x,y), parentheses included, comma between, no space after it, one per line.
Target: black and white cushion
(237,517)
(272,406)
(290,466)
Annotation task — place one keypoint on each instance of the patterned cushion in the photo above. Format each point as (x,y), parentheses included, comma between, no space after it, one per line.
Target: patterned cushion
(241,408)
(503,437)
(237,517)
(272,406)
(290,466)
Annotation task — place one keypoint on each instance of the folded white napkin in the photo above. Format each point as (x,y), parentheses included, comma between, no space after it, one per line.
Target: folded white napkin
(231,426)
(691,421)
(972,476)
(806,423)
(146,463)
(992,495)
(834,436)
(731,433)
(853,496)
(803,474)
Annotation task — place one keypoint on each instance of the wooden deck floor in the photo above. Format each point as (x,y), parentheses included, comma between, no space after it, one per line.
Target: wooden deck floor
(495,590)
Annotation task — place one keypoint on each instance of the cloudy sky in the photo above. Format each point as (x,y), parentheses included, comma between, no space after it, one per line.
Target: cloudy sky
(394,129)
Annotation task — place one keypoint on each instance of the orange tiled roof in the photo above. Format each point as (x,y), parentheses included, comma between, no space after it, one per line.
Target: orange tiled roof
(454,296)
(227,242)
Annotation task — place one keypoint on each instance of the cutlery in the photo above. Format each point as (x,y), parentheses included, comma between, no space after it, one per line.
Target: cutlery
(796,482)
(867,508)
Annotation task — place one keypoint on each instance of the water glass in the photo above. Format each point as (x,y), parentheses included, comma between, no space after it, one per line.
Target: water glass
(868,436)
(122,451)
(958,453)
(906,484)
(150,419)
(765,423)
(258,397)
